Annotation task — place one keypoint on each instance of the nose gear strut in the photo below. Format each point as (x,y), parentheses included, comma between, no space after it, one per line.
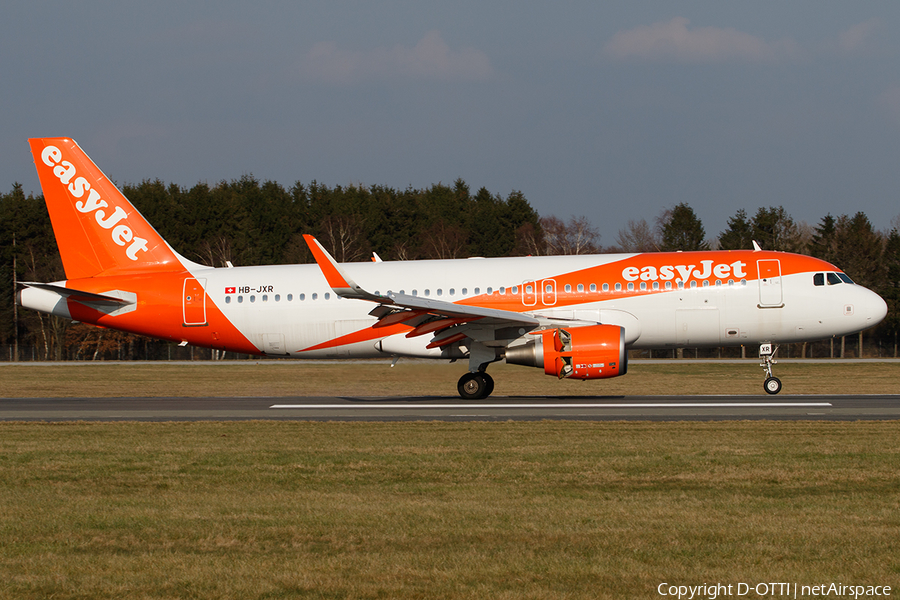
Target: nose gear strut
(772,384)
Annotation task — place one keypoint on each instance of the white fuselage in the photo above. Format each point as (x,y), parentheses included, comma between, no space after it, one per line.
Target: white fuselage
(292,308)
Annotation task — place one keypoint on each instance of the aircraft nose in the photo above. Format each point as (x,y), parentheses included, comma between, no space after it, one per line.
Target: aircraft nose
(875,309)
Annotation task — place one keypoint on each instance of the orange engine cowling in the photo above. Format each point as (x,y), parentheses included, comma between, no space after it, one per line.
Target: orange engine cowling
(591,352)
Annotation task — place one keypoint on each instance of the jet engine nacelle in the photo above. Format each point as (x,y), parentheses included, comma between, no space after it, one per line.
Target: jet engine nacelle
(591,352)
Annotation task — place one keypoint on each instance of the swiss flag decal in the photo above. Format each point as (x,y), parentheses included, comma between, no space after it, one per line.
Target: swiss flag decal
(229,290)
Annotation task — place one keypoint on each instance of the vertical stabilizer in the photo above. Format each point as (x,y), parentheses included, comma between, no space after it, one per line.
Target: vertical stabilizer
(96,227)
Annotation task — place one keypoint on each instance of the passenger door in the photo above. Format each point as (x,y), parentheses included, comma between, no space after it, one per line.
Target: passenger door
(770,293)
(194,302)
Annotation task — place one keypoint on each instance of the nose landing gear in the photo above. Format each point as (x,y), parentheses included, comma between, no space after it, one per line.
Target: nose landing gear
(772,384)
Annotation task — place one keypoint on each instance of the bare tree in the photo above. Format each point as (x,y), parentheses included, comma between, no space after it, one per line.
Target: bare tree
(577,236)
(637,236)
(217,252)
(529,240)
(443,241)
(344,238)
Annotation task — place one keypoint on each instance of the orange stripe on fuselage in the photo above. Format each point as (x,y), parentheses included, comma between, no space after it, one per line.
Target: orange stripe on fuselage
(699,267)
(363,335)
(159,311)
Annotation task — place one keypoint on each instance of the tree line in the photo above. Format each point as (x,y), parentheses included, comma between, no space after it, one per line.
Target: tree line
(251,222)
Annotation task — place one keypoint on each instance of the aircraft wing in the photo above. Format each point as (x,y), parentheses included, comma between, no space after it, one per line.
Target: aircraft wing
(424,315)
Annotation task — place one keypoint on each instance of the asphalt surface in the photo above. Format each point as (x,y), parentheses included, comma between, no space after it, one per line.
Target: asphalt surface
(593,408)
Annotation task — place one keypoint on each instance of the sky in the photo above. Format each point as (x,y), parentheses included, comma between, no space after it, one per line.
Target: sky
(611,110)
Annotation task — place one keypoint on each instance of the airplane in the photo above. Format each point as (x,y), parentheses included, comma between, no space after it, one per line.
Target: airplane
(575,317)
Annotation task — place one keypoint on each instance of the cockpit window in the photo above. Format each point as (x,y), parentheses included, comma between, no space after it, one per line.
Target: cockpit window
(833,278)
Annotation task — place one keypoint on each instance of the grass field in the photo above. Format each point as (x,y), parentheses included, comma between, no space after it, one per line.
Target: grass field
(302,378)
(564,510)
(442,510)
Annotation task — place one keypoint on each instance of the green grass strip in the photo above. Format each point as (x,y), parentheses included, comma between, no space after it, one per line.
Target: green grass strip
(442,510)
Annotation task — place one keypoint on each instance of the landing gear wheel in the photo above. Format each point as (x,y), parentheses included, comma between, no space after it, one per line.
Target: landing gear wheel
(475,386)
(490,385)
(772,385)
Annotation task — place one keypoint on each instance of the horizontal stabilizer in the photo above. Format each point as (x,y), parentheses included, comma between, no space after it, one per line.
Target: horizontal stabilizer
(78,295)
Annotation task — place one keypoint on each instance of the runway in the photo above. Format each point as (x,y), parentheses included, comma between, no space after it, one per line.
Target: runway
(595,408)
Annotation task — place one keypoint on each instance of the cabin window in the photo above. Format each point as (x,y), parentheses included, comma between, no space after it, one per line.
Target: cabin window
(515,290)
(630,286)
(465,291)
(440,292)
(594,287)
(265,298)
(693,284)
(655,285)
(477,290)
(668,285)
(327,296)
(568,288)
(277,297)
(252,298)
(240,299)
(643,285)
(618,287)
(227,299)
(490,290)
(580,288)
(705,283)
(315,296)
(427,293)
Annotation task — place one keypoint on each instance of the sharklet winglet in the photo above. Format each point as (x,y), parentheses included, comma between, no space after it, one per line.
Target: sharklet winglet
(340,282)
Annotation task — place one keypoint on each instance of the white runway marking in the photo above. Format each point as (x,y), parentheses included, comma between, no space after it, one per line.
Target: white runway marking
(633,405)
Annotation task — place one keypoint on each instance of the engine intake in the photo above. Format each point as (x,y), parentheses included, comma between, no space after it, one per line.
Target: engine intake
(592,352)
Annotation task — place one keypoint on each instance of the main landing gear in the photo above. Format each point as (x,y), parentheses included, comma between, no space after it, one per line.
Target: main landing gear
(475,386)
(772,384)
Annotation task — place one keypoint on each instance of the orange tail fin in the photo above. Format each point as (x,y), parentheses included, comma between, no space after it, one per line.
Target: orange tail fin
(97,229)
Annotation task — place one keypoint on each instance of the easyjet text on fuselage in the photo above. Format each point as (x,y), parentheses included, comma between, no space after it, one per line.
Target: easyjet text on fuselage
(707,270)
